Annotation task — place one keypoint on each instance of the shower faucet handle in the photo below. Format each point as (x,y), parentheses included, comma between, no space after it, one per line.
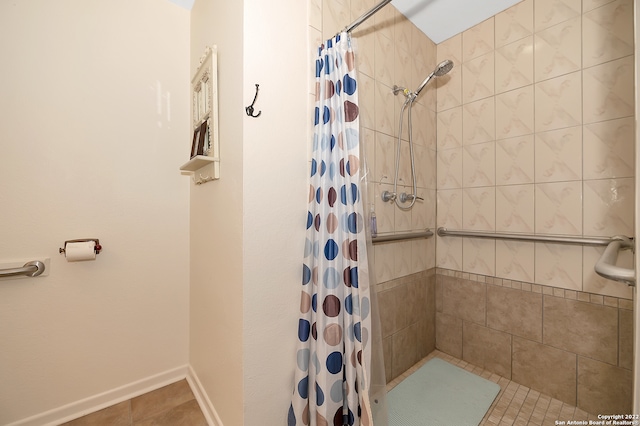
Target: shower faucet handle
(404,197)
(388,196)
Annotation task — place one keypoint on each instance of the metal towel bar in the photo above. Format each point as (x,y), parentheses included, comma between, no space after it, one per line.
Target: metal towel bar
(606,265)
(399,237)
(30,269)
(444,232)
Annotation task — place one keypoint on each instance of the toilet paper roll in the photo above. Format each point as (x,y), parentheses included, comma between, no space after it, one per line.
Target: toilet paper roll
(80,251)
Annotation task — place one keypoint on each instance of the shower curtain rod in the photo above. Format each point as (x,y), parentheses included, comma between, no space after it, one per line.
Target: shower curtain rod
(366,15)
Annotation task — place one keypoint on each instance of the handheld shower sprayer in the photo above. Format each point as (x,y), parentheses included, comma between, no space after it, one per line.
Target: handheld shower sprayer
(443,68)
(400,199)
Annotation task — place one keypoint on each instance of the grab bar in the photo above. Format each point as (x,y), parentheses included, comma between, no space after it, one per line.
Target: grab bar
(30,269)
(404,236)
(444,232)
(606,265)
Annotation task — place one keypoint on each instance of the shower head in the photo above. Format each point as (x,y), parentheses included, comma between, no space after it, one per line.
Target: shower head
(442,68)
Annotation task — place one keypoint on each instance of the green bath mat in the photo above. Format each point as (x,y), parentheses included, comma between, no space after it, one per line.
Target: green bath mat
(440,394)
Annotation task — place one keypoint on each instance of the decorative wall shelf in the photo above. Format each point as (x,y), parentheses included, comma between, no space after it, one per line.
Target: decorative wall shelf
(197,162)
(205,148)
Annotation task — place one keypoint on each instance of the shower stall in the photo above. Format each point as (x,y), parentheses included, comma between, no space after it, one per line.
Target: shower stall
(522,132)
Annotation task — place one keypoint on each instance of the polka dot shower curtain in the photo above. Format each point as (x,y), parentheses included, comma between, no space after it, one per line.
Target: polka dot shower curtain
(332,380)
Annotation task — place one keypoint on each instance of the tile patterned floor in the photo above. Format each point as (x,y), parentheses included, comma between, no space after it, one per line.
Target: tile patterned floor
(175,404)
(515,405)
(172,405)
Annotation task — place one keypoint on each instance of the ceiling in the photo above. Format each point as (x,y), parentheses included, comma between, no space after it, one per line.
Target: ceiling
(442,19)
(438,19)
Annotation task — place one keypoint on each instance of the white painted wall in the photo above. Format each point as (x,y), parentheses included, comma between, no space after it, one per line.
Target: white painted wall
(216,209)
(94,106)
(275,201)
(247,229)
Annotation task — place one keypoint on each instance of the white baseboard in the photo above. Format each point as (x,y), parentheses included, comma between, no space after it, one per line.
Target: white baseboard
(206,406)
(106,399)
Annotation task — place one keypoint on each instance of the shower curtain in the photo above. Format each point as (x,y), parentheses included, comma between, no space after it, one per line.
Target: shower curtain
(332,377)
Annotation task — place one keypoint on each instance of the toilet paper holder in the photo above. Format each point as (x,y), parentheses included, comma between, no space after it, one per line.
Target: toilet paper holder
(97,247)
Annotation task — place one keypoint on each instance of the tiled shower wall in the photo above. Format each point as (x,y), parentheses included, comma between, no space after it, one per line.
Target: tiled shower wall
(574,346)
(535,134)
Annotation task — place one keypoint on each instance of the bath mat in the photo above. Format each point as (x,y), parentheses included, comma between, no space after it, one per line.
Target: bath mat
(440,394)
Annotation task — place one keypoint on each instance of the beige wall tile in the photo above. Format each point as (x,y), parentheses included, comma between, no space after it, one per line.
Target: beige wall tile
(584,328)
(515,311)
(402,58)
(384,60)
(387,348)
(608,148)
(478,121)
(449,253)
(515,260)
(514,23)
(478,40)
(558,102)
(403,27)
(559,208)
(625,340)
(450,49)
(515,208)
(401,255)
(385,20)
(545,369)
(384,262)
(588,5)
(449,131)
(424,62)
(479,208)
(515,113)
(384,109)
(314,14)
(551,12)
(487,348)
(478,165)
(478,78)
(559,155)
(405,350)
(609,207)
(334,15)
(558,265)
(450,209)
(366,99)
(558,49)
(607,32)
(515,160)
(514,65)
(603,388)
(449,334)
(478,256)
(449,168)
(464,299)
(609,90)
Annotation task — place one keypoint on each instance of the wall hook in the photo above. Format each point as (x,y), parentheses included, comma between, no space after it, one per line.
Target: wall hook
(249,109)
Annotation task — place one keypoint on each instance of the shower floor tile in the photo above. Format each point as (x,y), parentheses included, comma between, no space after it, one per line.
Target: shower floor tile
(515,405)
